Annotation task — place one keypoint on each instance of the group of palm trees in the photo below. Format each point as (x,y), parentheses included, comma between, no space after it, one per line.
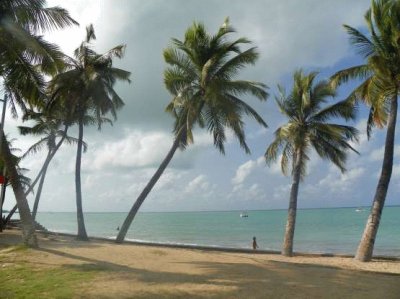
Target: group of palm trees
(201,77)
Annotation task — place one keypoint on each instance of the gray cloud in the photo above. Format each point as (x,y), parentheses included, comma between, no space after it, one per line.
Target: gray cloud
(289,34)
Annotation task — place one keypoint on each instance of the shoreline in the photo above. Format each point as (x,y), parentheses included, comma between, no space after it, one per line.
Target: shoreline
(44,230)
(218,248)
(331,233)
(221,248)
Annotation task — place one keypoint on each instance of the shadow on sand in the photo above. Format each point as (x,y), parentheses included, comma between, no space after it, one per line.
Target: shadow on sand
(270,279)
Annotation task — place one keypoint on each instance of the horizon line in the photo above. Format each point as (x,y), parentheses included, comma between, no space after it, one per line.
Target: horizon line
(202,211)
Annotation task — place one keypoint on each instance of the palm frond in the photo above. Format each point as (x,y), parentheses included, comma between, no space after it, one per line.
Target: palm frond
(248,110)
(271,154)
(364,46)
(308,126)
(345,109)
(360,72)
(231,68)
(35,148)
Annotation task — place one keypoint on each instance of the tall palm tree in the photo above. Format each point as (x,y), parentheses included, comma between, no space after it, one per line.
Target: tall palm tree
(48,126)
(200,79)
(379,89)
(24,55)
(308,128)
(86,89)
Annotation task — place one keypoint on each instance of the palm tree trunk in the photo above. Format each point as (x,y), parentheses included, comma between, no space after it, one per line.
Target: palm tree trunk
(82,235)
(50,157)
(28,227)
(39,191)
(39,175)
(366,246)
(3,195)
(10,215)
(132,213)
(287,248)
(43,172)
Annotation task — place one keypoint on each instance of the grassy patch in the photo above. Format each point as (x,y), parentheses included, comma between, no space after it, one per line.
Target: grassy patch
(11,248)
(17,248)
(24,281)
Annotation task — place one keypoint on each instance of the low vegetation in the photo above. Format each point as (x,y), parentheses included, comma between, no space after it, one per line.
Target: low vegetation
(21,279)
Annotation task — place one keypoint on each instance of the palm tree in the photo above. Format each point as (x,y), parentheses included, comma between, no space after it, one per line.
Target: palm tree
(308,128)
(50,128)
(379,90)
(25,181)
(86,90)
(200,79)
(23,56)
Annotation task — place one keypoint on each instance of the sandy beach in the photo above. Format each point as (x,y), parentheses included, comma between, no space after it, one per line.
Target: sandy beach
(132,271)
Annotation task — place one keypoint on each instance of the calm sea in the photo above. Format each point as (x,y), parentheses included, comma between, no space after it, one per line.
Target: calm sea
(317,230)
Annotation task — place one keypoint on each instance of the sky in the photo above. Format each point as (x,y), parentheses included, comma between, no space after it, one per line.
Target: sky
(120,160)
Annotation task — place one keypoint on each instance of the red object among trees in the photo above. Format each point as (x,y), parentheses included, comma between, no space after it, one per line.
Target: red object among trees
(2,179)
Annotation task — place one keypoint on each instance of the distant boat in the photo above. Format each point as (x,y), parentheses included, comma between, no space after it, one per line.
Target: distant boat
(360,210)
(243,215)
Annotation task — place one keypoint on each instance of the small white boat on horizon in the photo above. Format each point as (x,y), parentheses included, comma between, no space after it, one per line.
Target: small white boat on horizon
(244,215)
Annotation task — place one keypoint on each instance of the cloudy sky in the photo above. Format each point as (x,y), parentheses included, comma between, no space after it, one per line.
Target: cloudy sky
(289,34)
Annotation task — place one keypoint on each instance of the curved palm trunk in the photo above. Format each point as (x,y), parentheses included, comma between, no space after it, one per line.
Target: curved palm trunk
(14,209)
(287,248)
(39,176)
(39,191)
(82,235)
(132,213)
(10,215)
(28,227)
(366,246)
(43,172)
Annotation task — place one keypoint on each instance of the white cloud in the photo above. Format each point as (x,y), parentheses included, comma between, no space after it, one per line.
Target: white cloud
(243,172)
(281,192)
(397,151)
(337,181)
(377,155)
(135,150)
(246,169)
(89,12)
(255,192)
(169,179)
(138,149)
(275,167)
(198,184)
(244,193)
(396,171)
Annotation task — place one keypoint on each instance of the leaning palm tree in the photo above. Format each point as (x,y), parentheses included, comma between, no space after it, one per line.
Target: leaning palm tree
(48,126)
(200,79)
(379,89)
(308,128)
(24,55)
(86,91)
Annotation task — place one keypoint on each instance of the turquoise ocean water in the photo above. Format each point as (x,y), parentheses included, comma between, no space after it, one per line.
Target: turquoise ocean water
(335,230)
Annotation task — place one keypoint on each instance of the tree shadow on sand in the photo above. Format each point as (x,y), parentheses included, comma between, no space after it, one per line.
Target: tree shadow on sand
(233,280)
(14,238)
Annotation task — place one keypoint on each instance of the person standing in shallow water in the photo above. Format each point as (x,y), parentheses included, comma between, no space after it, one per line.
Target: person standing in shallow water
(255,246)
